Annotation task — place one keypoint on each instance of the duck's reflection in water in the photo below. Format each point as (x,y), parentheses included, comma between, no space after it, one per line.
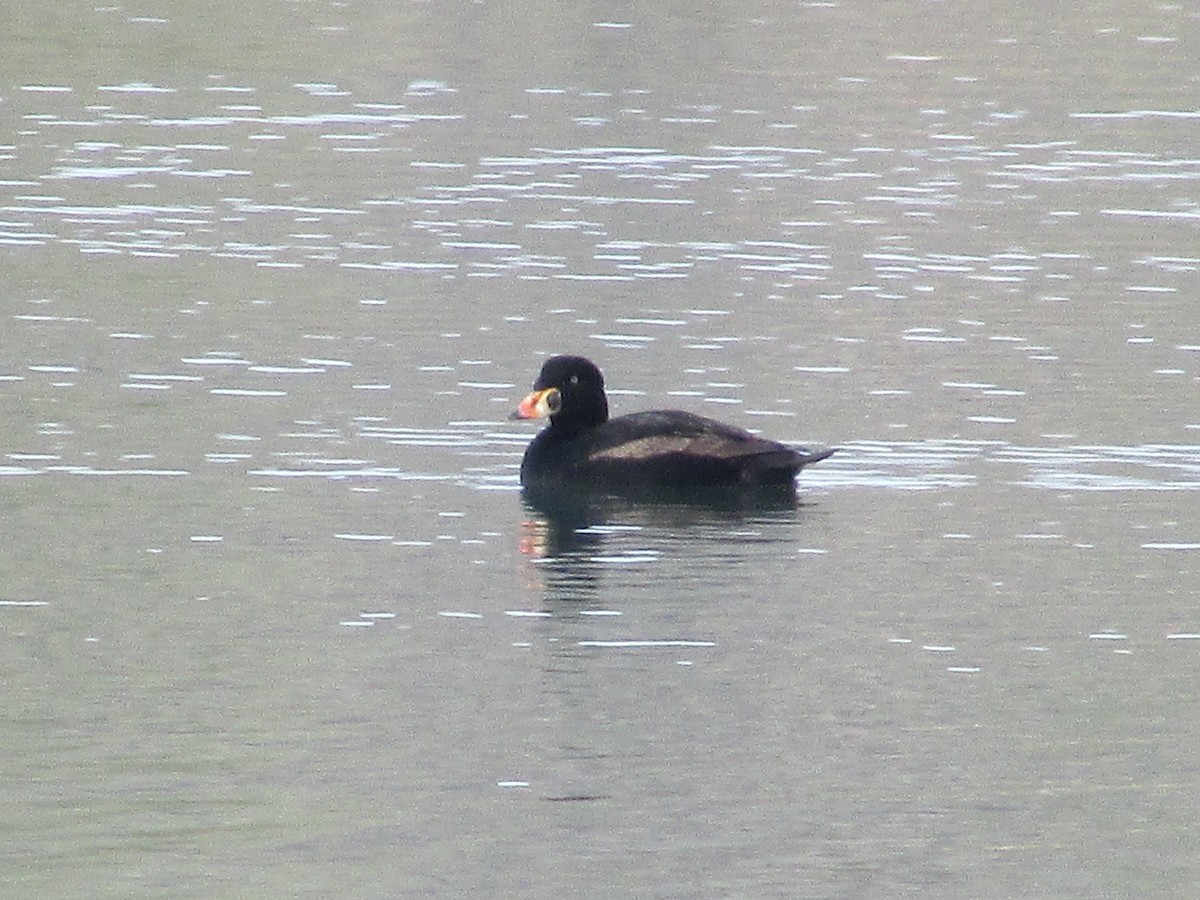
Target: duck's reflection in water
(578,539)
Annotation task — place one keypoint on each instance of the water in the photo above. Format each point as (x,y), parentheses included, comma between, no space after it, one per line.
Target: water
(275,618)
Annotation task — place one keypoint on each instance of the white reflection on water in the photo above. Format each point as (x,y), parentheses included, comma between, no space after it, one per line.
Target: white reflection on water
(899,465)
(922,465)
(495,453)
(1091,468)
(340,474)
(444,197)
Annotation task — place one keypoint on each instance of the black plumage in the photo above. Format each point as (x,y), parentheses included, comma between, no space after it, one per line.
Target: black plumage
(661,449)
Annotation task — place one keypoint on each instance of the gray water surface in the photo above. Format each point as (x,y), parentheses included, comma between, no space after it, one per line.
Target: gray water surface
(275,618)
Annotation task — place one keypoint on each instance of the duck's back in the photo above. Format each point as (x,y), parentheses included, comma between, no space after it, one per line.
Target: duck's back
(663,448)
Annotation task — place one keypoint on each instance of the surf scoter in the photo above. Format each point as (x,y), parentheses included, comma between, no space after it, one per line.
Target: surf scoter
(661,449)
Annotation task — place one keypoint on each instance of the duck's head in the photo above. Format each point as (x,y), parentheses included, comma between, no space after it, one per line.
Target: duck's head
(569,391)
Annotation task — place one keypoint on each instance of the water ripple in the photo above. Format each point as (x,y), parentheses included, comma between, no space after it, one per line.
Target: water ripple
(1109,468)
(925,465)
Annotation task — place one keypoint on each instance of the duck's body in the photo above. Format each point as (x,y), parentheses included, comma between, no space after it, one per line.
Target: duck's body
(661,449)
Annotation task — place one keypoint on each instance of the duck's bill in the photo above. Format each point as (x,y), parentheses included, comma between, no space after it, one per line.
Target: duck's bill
(538,405)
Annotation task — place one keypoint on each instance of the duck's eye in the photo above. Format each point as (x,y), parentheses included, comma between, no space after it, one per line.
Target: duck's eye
(574,379)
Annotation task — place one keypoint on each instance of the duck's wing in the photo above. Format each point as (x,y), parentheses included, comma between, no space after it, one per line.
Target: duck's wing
(671,443)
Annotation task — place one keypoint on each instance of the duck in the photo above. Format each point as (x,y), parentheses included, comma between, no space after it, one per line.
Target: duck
(656,450)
